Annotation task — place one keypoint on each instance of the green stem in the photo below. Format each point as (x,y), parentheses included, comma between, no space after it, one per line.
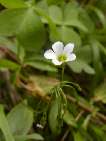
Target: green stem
(62,78)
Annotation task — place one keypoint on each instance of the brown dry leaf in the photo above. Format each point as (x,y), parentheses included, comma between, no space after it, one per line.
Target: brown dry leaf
(39,85)
(44,82)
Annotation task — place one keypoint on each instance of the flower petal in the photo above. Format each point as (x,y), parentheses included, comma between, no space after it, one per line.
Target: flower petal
(49,54)
(69,48)
(71,57)
(58,47)
(56,62)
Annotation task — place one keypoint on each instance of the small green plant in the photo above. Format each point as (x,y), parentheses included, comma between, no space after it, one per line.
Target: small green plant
(62,97)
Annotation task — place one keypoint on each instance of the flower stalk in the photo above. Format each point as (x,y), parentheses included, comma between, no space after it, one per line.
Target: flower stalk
(62,74)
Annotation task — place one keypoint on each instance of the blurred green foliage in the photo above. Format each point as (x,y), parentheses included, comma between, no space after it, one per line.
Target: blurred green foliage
(57,111)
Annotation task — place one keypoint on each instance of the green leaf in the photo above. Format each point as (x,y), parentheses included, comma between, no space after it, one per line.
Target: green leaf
(26,25)
(50,2)
(79,65)
(13,3)
(101,5)
(34,136)
(97,133)
(71,11)
(6,43)
(6,64)
(69,119)
(97,60)
(86,121)
(43,5)
(100,93)
(55,14)
(78,136)
(86,20)
(88,69)
(31,32)
(13,17)
(20,119)
(102,48)
(46,19)
(71,17)
(76,66)
(4,126)
(84,53)
(41,65)
(100,14)
(82,135)
(54,117)
(21,53)
(67,34)
(76,23)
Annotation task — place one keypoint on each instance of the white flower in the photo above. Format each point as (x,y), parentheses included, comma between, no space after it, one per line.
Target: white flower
(60,54)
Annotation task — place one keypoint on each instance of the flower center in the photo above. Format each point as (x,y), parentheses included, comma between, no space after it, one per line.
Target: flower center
(62,58)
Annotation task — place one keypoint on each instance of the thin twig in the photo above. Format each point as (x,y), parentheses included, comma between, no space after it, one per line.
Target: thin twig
(68,130)
(87,109)
(65,134)
(79,115)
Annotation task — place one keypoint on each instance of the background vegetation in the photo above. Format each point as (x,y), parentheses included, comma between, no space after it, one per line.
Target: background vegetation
(35,105)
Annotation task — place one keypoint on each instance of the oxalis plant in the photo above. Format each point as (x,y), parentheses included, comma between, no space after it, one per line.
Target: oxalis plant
(51,108)
(59,55)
